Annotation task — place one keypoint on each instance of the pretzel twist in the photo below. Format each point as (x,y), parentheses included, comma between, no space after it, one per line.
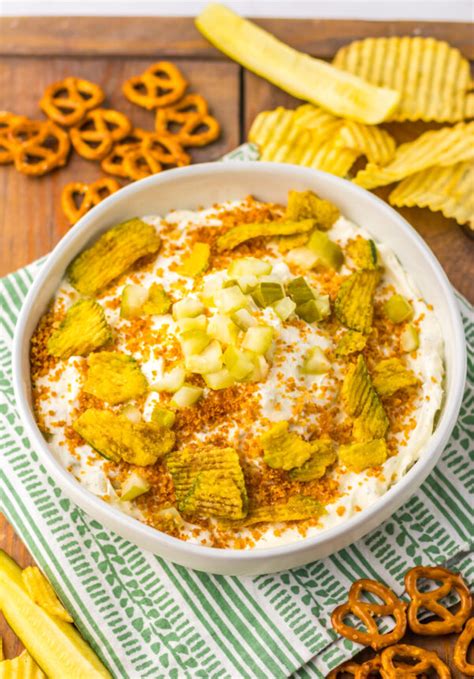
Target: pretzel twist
(94,137)
(426,660)
(368,612)
(365,670)
(461,648)
(80,96)
(7,122)
(38,146)
(346,668)
(161,84)
(450,622)
(92,194)
(113,163)
(190,132)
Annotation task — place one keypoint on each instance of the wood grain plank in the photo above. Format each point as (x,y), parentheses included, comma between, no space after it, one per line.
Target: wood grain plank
(453,247)
(172,37)
(31,220)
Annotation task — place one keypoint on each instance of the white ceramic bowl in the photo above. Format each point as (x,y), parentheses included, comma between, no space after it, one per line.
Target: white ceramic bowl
(202,185)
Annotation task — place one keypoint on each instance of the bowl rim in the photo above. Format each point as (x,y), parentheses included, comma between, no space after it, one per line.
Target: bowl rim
(102,510)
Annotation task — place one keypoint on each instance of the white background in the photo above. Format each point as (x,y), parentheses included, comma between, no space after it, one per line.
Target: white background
(441,10)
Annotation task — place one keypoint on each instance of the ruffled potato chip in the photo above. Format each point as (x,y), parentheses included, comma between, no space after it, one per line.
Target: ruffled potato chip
(363,252)
(360,456)
(114,377)
(377,145)
(214,493)
(307,205)
(322,456)
(21,667)
(297,508)
(82,330)
(432,77)
(361,402)
(350,343)
(444,147)
(43,594)
(390,375)
(283,449)
(239,234)
(117,438)
(354,302)
(442,189)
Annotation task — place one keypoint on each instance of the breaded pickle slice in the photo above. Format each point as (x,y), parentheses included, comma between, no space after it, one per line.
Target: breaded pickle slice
(362,403)
(390,375)
(360,456)
(307,205)
(297,508)
(158,301)
(185,465)
(117,438)
(283,449)
(82,330)
(214,493)
(114,377)
(350,343)
(364,252)
(197,261)
(111,255)
(323,455)
(354,302)
(244,232)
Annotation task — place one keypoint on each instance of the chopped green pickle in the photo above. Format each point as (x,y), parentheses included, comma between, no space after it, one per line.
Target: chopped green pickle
(163,416)
(239,362)
(171,381)
(230,299)
(240,234)
(309,311)
(363,252)
(409,339)
(390,375)
(315,362)
(351,343)
(223,329)
(307,205)
(116,438)
(111,255)
(82,330)
(267,293)
(398,309)
(323,456)
(158,301)
(197,261)
(186,396)
(249,266)
(283,449)
(361,401)
(134,486)
(188,307)
(258,339)
(299,290)
(196,323)
(284,308)
(222,379)
(354,302)
(194,341)
(243,319)
(132,300)
(114,377)
(360,456)
(297,508)
(302,257)
(214,493)
(208,361)
(328,252)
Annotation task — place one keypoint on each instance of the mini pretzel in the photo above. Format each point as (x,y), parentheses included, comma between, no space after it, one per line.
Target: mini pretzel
(161,84)
(190,132)
(365,670)
(7,122)
(461,648)
(426,660)
(113,163)
(139,163)
(450,622)
(38,146)
(167,150)
(81,96)
(94,137)
(92,194)
(346,668)
(367,612)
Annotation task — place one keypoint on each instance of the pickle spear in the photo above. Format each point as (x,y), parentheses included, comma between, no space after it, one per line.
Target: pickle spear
(298,74)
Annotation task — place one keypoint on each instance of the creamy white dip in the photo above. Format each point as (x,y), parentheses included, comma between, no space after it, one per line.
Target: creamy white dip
(357,490)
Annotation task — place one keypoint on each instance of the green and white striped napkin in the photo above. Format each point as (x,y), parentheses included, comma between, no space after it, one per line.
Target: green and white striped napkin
(146,617)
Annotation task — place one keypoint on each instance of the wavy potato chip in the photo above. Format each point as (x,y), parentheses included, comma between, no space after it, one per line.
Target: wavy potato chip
(117,438)
(283,449)
(377,145)
(323,123)
(114,377)
(432,77)
(297,508)
(322,456)
(42,593)
(21,667)
(307,205)
(82,330)
(361,402)
(360,456)
(350,343)
(449,190)
(239,234)
(214,493)
(390,375)
(444,147)
(354,301)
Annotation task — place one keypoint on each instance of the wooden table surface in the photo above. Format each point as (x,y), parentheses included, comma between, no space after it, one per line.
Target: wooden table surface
(35,52)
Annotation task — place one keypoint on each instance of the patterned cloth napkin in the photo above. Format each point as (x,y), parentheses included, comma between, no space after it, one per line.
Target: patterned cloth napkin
(147,617)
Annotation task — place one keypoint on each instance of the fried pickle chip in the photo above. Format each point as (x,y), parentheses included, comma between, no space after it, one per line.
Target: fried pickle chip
(322,456)
(297,508)
(350,343)
(82,330)
(360,456)
(287,243)
(390,375)
(117,438)
(42,593)
(444,147)
(21,667)
(354,301)
(377,145)
(111,255)
(363,252)
(197,261)
(361,402)
(114,377)
(283,449)
(214,493)
(432,77)
(186,464)
(244,232)
(158,301)
(442,189)
(307,205)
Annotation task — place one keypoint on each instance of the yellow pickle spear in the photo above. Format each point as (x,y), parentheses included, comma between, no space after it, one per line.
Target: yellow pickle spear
(82,330)
(42,593)
(114,377)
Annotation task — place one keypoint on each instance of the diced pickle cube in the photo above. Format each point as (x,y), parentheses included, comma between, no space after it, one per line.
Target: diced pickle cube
(163,416)
(132,300)
(158,301)
(171,381)
(315,362)
(186,396)
(398,309)
(208,361)
(363,252)
(196,323)
(323,455)
(194,341)
(409,339)
(111,255)
(284,308)
(350,343)
(223,329)
(114,377)
(246,266)
(210,286)
(302,257)
(354,302)
(222,379)
(188,307)
(82,330)
(132,413)
(361,401)
(197,261)
(260,369)
(390,375)
(306,204)
(283,449)
(116,438)
(360,456)
(258,339)
(230,299)
(239,363)
(134,486)
(299,290)
(247,283)
(244,232)
(244,319)
(309,311)
(267,292)
(327,251)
